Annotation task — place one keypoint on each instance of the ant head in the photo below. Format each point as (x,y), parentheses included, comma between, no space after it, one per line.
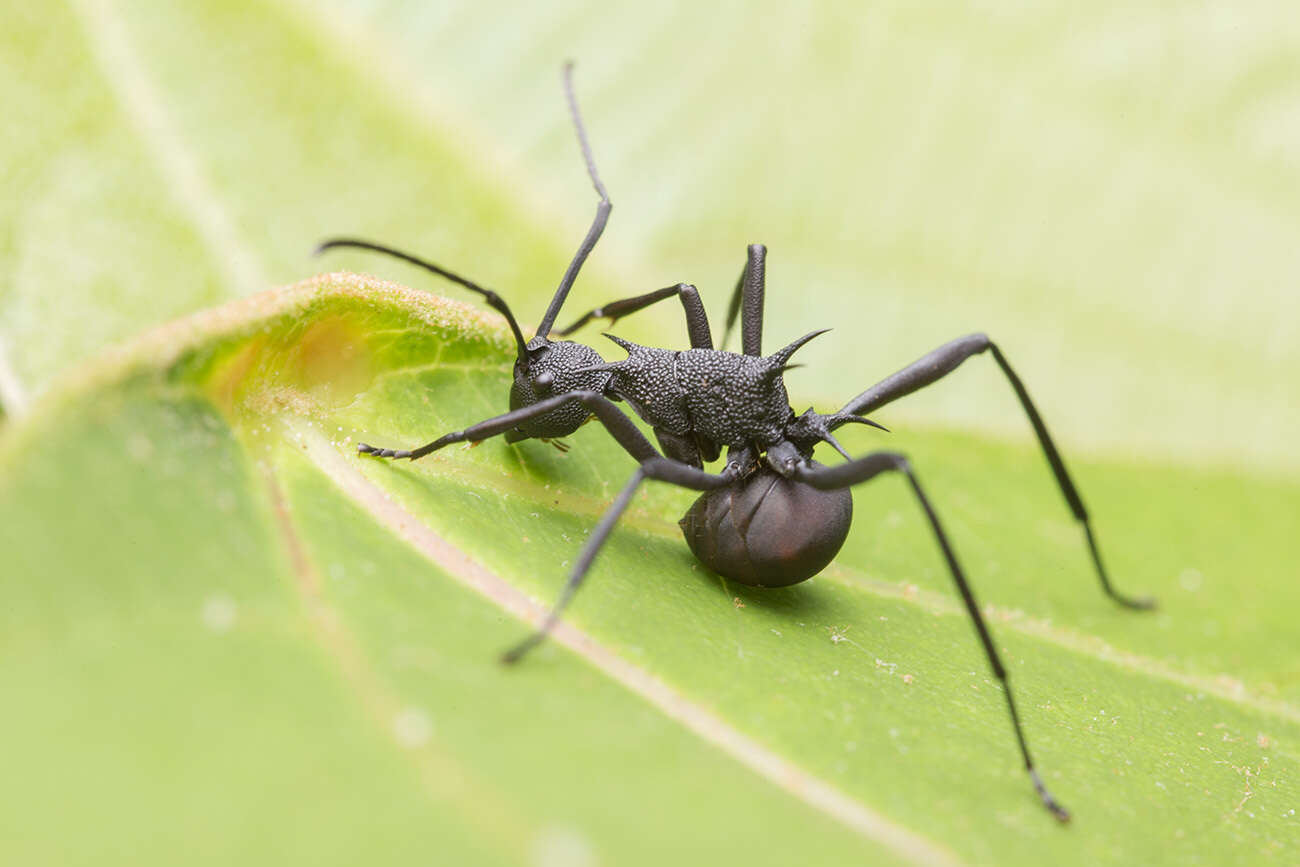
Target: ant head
(550,368)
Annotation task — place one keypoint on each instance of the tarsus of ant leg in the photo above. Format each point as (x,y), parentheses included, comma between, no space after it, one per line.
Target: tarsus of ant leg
(939,363)
(494,300)
(580,569)
(597,224)
(624,431)
(659,468)
(866,468)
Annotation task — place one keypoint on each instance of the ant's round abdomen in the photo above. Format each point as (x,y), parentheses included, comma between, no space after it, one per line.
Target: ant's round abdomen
(766,530)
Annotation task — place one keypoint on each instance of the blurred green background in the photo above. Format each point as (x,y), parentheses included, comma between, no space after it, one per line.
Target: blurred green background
(1110,190)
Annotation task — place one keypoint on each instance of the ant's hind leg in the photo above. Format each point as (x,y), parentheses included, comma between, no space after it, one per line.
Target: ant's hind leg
(864,469)
(937,364)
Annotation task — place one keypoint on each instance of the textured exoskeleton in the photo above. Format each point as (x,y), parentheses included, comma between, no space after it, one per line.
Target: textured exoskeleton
(771,516)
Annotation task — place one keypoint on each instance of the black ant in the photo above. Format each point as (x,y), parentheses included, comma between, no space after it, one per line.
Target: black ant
(772,516)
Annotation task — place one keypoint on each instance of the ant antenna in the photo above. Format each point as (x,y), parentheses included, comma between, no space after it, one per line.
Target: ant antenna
(494,300)
(597,225)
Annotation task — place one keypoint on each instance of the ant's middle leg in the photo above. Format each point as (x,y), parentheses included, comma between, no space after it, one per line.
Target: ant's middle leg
(697,322)
(580,568)
(659,468)
(747,302)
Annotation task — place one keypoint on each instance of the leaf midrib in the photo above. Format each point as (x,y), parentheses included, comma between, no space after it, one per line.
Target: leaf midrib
(442,775)
(653,525)
(165,344)
(776,769)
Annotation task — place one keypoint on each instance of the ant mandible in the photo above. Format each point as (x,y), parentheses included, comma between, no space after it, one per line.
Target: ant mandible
(772,516)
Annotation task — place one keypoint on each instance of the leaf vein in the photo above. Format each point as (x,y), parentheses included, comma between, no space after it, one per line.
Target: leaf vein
(647,523)
(440,774)
(144,105)
(779,771)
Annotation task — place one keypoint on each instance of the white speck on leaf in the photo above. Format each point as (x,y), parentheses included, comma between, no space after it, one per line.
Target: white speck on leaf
(562,846)
(412,728)
(139,447)
(1191,580)
(219,613)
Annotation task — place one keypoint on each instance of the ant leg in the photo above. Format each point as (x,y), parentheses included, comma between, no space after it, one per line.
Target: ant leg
(580,568)
(944,360)
(748,294)
(597,224)
(867,468)
(697,322)
(658,468)
(619,425)
(733,307)
(622,428)
(625,432)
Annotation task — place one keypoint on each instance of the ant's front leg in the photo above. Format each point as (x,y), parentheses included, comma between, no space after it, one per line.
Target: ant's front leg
(697,322)
(618,424)
(475,433)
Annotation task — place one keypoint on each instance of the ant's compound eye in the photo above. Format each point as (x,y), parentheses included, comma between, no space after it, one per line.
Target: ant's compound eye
(543,382)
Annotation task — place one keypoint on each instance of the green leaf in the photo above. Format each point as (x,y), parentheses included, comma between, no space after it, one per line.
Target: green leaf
(1110,192)
(228,637)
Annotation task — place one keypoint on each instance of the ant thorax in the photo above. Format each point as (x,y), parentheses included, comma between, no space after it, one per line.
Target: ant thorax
(733,399)
(646,380)
(715,396)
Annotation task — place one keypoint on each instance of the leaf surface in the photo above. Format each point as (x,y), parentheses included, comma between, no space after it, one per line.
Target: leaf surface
(232,637)
(224,636)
